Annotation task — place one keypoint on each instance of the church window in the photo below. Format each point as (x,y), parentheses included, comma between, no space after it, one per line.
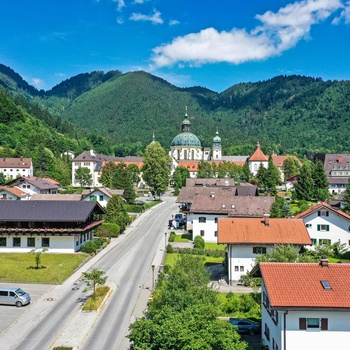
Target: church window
(185,154)
(192,154)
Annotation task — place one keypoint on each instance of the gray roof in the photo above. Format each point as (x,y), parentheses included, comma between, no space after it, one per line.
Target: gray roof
(48,211)
(108,192)
(241,206)
(89,156)
(338,180)
(41,183)
(229,182)
(56,197)
(247,191)
(15,162)
(336,162)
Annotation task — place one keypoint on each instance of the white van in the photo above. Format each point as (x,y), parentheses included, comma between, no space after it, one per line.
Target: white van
(13,296)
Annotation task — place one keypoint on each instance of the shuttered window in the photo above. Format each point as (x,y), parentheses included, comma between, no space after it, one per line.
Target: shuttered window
(324,324)
(302,323)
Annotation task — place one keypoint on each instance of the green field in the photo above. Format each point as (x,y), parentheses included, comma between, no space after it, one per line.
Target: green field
(54,268)
(170,259)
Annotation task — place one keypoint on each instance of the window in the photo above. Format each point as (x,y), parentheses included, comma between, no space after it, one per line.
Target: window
(259,250)
(324,241)
(215,233)
(241,268)
(45,242)
(313,323)
(308,225)
(92,198)
(202,232)
(101,198)
(30,242)
(322,227)
(323,213)
(202,219)
(236,268)
(267,332)
(86,164)
(216,221)
(3,242)
(314,241)
(16,241)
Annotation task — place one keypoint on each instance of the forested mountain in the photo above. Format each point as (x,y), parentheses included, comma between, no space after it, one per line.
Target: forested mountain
(28,131)
(287,114)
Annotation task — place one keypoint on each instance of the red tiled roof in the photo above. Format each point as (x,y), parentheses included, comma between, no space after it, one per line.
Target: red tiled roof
(318,207)
(279,160)
(299,285)
(191,166)
(258,155)
(14,190)
(251,230)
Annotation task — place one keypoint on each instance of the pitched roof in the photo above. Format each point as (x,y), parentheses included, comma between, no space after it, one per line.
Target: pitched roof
(279,160)
(56,197)
(255,231)
(91,156)
(298,285)
(258,155)
(15,162)
(191,166)
(14,190)
(48,211)
(336,162)
(108,192)
(319,206)
(210,182)
(187,194)
(235,206)
(41,183)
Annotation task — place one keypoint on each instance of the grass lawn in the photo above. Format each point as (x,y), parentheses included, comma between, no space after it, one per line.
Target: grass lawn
(170,259)
(21,267)
(185,237)
(92,304)
(214,246)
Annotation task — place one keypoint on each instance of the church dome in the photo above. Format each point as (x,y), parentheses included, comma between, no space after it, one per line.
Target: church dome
(186,139)
(217,138)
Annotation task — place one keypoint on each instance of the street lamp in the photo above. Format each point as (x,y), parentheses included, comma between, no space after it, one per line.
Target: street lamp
(58,272)
(153,277)
(165,233)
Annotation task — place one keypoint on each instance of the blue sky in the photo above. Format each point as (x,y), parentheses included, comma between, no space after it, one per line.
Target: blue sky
(214,44)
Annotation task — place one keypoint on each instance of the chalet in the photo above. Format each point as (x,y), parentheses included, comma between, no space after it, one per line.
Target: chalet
(326,224)
(13,193)
(35,185)
(305,305)
(246,238)
(16,167)
(101,195)
(60,226)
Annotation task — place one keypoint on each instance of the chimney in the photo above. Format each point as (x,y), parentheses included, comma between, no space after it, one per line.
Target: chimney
(212,194)
(267,219)
(324,261)
(340,159)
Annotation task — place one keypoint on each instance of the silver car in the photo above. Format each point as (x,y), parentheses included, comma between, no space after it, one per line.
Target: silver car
(14,296)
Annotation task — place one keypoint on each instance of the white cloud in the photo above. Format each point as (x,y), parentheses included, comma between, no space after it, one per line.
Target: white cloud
(38,83)
(155,18)
(139,1)
(120,4)
(174,22)
(120,20)
(344,15)
(278,32)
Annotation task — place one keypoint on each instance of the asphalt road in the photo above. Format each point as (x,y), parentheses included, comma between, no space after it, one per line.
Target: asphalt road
(126,265)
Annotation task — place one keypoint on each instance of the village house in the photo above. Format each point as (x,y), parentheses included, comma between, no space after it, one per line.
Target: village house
(101,195)
(337,169)
(13,193)
(16,167)
(246,238)
(60,226)
(305,305)
(326,225)
(35,185)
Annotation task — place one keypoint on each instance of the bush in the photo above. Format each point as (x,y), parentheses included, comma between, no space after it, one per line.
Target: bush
(108,230)
(135,208)
(199,242)
(93,245)
(169,249)
(172,236)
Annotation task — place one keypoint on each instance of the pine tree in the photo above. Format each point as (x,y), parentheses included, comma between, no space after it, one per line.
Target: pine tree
(116,212)
(321,183)
(304,188)
(346,199)
(290,167)
(273,176)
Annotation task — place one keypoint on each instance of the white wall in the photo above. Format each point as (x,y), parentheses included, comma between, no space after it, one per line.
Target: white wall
(97,194)
(209,227)
(338,227)
(254,166)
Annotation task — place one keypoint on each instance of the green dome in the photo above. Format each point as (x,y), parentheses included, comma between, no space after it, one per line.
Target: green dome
(186,139)
(217,138)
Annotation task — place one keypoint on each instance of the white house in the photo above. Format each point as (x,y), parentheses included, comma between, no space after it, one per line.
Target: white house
(35,185)
(101,195)
(326,224)
(246,238)
(13,193)
(60,226)
(257,159)
(305,305)
(16,167)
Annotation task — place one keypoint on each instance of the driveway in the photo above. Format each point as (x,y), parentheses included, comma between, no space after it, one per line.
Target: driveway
(9,314)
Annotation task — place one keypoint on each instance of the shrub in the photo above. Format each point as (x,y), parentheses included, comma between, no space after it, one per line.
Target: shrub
(108,230)
(93,245)
(199,242)
(169,249)
(172,236)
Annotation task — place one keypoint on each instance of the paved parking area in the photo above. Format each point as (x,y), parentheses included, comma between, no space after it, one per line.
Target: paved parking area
(9,314)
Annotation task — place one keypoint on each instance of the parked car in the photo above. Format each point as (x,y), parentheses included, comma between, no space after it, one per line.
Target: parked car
(245,325)
(13,296)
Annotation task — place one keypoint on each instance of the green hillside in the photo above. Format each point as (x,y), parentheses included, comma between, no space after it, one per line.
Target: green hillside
(287,114)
